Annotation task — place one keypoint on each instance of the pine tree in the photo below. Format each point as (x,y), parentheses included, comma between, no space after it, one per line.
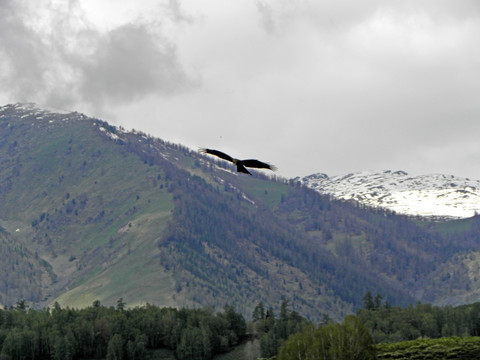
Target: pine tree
(115,348)
(368,303)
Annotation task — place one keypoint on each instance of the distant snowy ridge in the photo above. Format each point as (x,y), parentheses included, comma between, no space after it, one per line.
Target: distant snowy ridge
(436,195)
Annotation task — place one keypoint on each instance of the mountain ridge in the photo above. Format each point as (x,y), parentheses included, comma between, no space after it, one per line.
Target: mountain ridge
(432,196)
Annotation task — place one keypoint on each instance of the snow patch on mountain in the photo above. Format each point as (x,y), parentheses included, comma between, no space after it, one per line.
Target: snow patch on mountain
(109,134)
(435,195)
(38,114)
(39,109)
(30,109)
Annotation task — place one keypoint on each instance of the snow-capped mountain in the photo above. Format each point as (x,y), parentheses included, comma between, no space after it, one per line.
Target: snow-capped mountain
(436,195)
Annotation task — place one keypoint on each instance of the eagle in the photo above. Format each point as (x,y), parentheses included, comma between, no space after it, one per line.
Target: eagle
(241,164)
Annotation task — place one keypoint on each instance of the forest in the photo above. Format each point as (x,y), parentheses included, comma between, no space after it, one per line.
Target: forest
(130,333)
(389,323)
(116,332)
(378,330)
(382,331)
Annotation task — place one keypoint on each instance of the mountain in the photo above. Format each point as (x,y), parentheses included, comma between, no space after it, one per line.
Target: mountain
(433,196)
(89,211)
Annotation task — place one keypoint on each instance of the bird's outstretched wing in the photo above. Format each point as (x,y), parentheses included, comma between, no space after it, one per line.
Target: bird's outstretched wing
(258,164)
(220,154)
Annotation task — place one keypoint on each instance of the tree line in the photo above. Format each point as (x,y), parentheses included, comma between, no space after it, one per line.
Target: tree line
(131,333)
(117,332)
(345,341)
(389,323)
(123,333)
(274,330)
(382,331)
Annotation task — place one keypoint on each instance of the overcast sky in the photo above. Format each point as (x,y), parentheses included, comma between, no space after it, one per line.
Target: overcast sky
(332,86)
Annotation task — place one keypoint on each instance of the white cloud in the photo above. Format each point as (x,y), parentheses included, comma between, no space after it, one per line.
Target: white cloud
(347,85)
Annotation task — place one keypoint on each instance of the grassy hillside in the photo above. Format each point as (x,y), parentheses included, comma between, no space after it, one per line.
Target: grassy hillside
(22,271)
(85,207)
(438,349)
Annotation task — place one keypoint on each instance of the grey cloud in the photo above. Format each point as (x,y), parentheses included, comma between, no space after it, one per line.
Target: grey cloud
(22,54)
(174,11)
(330,15)
(267,16)
(129,63)
(70,63)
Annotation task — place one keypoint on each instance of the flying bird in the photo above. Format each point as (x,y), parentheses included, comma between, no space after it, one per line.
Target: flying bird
(241,164)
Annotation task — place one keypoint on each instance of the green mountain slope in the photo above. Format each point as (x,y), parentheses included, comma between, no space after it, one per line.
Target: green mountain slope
(83,205)
(103,214)
(22,271)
